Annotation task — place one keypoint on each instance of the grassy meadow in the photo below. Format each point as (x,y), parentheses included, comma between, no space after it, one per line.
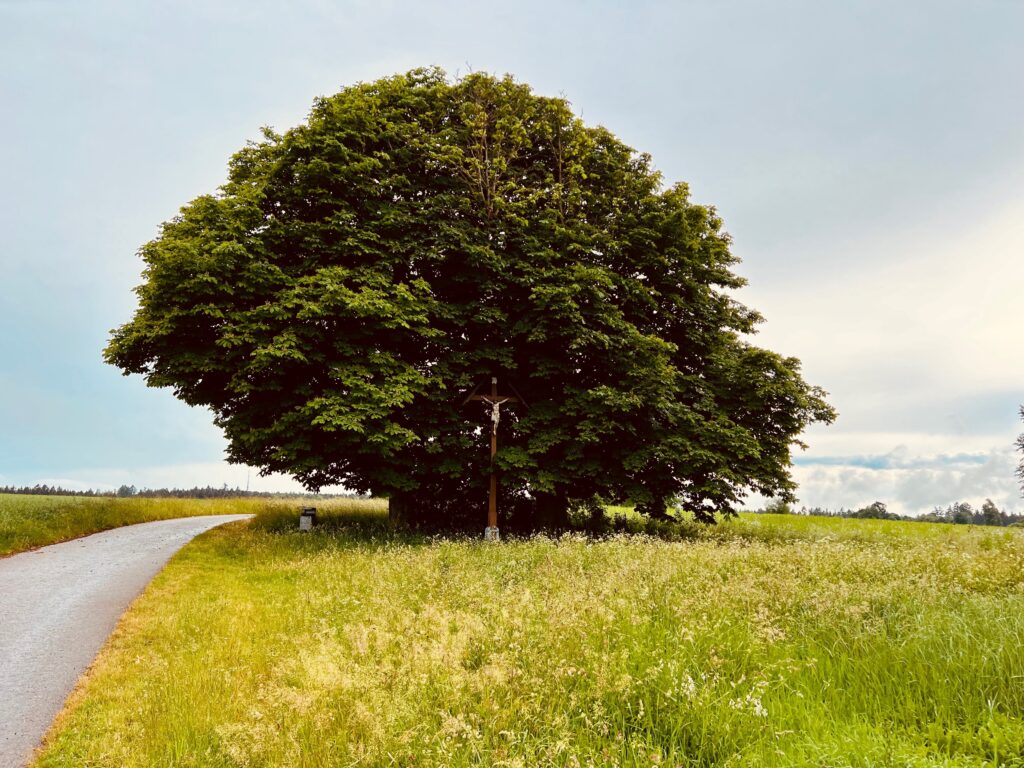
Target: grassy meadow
(29,521)
(767,641)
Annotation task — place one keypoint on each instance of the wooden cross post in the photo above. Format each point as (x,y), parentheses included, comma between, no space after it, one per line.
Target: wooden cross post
(495,401)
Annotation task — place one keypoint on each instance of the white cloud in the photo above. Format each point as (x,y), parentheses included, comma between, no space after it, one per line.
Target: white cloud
(914,335)
(912,485)
(882,322)
(833,441)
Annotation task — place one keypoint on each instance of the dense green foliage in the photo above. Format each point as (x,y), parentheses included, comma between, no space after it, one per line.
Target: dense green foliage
(359,273)
(765,641)
(28,521)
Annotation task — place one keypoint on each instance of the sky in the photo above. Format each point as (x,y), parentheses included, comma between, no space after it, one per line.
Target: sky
(866,158)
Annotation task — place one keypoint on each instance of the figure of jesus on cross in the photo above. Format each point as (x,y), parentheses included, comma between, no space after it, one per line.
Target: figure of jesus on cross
(495,401)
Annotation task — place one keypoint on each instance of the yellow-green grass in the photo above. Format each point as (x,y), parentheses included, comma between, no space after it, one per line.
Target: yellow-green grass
(768,641)
(27,522)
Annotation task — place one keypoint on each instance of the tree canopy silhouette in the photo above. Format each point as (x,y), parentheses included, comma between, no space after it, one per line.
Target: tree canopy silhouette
(358,274)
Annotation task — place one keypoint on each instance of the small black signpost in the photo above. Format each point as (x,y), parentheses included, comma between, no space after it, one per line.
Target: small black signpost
(495,401)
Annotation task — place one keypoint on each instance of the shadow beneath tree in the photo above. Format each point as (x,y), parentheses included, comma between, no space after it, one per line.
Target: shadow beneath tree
(367,523)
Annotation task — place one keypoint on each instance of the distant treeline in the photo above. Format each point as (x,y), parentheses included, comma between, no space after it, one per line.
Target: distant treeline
(960,513)
(209,492)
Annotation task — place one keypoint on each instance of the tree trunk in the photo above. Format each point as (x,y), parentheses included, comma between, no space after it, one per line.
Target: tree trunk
(401,509)
(552,510)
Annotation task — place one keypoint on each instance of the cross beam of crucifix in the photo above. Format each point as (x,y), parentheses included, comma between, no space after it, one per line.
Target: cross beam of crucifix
(495,401)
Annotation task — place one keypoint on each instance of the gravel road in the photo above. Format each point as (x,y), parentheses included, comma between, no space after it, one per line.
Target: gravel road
(58,605)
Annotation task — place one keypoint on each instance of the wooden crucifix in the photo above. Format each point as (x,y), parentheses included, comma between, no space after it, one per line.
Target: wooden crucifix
(495,401)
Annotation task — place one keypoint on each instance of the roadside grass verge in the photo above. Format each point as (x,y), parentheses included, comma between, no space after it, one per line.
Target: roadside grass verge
(768,641)
(28,521)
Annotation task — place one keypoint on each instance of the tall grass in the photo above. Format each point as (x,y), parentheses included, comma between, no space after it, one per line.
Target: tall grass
(33,521)
(770,641)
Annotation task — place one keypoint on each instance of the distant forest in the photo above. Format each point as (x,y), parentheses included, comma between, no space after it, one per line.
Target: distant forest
(960,513)
(209,492)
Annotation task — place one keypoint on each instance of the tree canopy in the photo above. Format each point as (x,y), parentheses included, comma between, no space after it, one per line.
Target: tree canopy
(358,274)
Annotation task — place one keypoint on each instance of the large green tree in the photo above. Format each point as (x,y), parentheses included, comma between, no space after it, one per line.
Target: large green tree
(357,275)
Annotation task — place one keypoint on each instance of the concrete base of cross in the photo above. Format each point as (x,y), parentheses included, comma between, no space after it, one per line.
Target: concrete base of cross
(491,534)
